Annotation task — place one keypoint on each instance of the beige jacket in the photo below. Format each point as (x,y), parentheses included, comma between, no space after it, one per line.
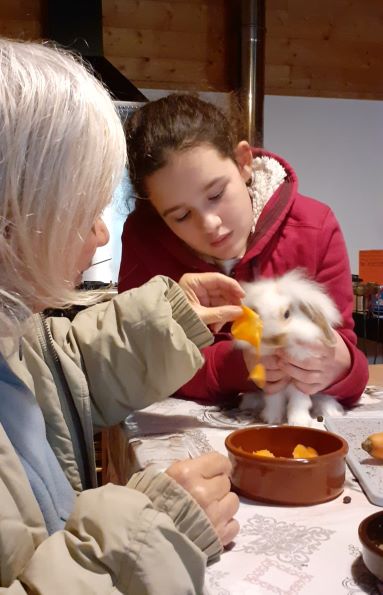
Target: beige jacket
(115,357)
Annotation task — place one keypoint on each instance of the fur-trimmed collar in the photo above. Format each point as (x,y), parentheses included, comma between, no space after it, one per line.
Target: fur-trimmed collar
(267,176)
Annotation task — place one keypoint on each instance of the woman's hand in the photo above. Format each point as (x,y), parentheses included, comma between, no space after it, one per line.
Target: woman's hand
(214,297)
(276,377)
(206,478)
(325,366)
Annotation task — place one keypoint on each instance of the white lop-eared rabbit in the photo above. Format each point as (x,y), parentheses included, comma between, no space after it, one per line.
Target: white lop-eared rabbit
(295,312)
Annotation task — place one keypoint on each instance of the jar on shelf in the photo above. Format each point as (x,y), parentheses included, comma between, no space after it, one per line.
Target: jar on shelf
(359,295)
(376,305)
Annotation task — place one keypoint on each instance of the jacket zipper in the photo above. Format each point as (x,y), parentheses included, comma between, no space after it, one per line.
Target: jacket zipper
(69,408)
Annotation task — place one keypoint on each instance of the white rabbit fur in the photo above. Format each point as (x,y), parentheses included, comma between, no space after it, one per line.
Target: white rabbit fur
(294,311)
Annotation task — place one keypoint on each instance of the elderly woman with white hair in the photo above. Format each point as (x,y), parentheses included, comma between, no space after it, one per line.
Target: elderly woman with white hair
(62,153)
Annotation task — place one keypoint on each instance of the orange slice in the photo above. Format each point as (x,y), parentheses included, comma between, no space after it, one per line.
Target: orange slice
(304,452)
(248,327)
(263,453)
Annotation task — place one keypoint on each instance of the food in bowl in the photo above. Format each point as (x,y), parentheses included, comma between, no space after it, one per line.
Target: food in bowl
(264,452)
(371,538)
(299,452)
(282,479)
(304,452)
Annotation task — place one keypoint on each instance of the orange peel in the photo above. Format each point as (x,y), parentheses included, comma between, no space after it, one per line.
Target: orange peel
(248,327)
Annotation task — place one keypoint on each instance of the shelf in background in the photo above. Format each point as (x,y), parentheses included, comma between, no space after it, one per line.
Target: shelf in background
(368,327)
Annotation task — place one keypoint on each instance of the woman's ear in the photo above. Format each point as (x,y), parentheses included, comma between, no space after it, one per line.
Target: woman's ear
(244,159)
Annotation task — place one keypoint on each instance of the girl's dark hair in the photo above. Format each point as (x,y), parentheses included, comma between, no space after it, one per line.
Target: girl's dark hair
(173,123)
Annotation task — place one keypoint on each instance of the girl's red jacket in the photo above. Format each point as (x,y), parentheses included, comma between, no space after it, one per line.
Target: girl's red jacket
(292,231)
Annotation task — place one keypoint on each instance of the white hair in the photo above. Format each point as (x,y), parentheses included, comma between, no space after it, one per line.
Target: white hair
(62,154)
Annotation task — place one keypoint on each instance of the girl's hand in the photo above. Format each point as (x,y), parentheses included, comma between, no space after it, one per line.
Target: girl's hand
(322,368)
(206,478)
(215,297)
(276,377)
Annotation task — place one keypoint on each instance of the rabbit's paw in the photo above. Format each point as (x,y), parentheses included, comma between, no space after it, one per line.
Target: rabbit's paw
(271,417)
(300,419)
(326,406)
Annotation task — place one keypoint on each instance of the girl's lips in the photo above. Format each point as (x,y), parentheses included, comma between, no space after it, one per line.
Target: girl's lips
(220,240)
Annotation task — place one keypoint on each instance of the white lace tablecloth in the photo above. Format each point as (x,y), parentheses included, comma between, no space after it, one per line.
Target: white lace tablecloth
(280,550)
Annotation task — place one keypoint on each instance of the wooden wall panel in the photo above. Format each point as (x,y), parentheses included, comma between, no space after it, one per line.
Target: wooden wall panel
(159,15)
(20,19)
(193,43)
(170,45)
(322,48)
(325,48)
(155,72)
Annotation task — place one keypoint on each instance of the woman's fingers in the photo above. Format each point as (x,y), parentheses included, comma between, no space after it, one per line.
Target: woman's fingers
(229,532)
(221,513)
(222,510)
(212,464)
(204,467)
(211,491)
(206,478)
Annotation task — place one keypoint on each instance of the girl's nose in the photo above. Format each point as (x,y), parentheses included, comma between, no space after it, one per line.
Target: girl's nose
(102,233)
(210,222)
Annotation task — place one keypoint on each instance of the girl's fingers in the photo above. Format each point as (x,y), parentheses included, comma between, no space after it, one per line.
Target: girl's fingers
(218,315)
(217,282)
(307,376)
(275,375)
(308,389)
(207,286)
(271,388)
(271,363)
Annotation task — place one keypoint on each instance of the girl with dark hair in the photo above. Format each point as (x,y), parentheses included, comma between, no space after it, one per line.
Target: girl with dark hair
(206,202)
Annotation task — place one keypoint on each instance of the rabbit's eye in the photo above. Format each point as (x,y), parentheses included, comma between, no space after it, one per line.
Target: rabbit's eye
(286,314)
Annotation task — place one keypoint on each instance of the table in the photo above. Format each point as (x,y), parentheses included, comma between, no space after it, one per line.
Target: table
(280,550)
(375,375)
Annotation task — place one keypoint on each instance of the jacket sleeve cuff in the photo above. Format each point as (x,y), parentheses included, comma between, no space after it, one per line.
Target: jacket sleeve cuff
(184,314)
(168,496)
(350,387)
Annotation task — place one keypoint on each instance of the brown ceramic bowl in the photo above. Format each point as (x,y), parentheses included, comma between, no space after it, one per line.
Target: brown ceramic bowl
(371,536)
(284,480)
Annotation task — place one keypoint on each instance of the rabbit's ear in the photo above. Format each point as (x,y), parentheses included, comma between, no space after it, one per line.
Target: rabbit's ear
(318,318)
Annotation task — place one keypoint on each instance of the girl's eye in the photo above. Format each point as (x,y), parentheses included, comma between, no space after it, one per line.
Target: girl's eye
(183,217)
(287,314)
(217,196)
